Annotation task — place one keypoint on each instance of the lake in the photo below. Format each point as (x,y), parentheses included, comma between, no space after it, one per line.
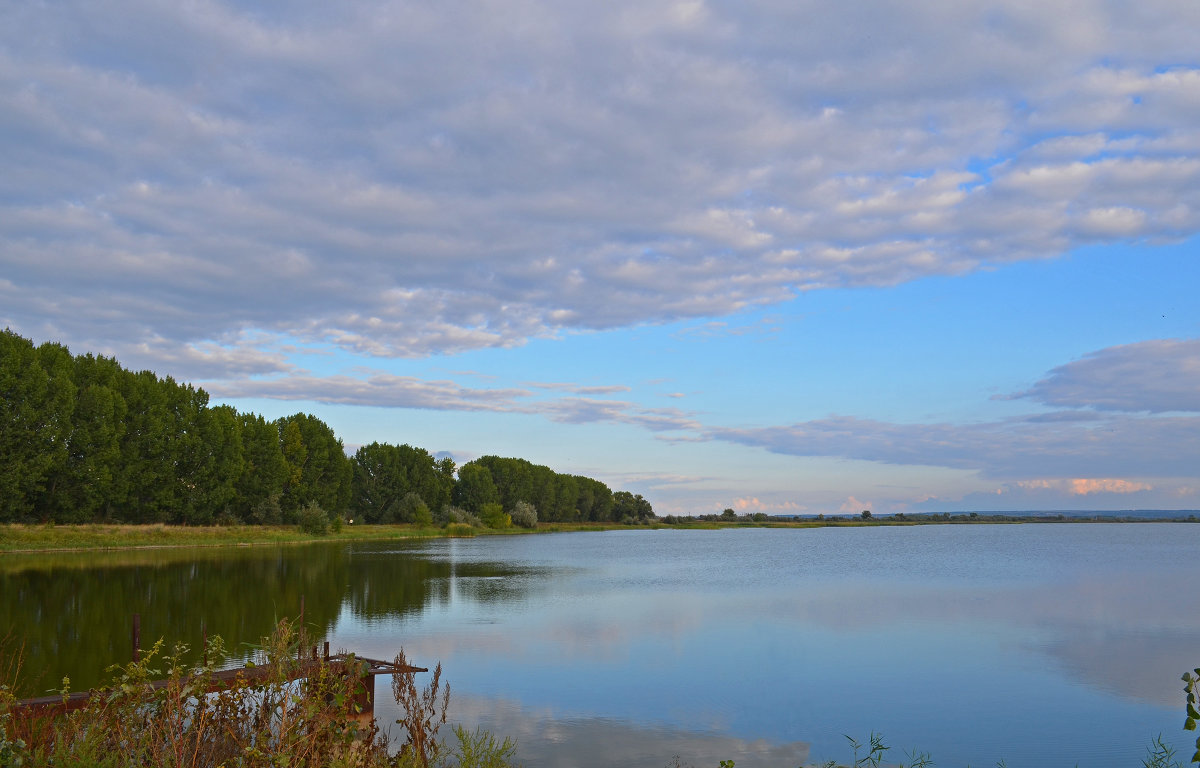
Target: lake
(1038,644)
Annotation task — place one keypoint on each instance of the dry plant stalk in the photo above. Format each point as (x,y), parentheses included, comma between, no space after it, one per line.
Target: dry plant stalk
(424,712)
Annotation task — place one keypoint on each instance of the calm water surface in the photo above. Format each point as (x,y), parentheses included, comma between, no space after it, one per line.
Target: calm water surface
(1036,644)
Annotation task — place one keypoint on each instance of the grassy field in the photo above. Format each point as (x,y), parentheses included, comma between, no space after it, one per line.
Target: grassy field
(40,538)
(43,538)
(46,538)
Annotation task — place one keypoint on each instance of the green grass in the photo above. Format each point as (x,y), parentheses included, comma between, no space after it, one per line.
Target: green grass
(42,538)
(16,537)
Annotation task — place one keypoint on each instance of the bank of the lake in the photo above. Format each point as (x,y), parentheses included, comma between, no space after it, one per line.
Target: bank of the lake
(24,538)
(16,538)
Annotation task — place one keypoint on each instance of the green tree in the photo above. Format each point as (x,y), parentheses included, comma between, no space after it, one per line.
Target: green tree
(259,487)
(318,470)
(475,488)
(626,504)
(37,396)
(384,475)
(217,462)
(144,488)
(82,490)
(378,483)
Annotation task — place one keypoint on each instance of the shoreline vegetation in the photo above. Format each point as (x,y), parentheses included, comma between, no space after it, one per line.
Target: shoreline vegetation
(21,538)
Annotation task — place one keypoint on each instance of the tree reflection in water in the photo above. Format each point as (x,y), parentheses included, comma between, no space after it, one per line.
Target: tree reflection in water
(73,611)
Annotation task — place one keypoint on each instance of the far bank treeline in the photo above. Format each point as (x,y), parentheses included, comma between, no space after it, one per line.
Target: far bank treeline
(84,440)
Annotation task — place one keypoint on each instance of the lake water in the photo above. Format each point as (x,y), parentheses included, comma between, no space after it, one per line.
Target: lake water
(1047,644)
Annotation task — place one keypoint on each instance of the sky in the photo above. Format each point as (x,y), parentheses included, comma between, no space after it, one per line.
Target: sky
(781,256)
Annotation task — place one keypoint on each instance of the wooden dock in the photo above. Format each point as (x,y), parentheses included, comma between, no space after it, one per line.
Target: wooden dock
(251,675)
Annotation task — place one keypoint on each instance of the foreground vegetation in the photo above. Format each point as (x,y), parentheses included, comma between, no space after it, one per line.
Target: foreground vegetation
(270,722)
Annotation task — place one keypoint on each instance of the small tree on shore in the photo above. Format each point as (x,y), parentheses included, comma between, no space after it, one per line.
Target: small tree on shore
(524,514)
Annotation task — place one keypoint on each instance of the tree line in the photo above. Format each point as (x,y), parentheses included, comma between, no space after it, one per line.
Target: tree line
(82,439)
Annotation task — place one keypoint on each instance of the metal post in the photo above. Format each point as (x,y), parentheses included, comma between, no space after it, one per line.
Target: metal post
(326,650)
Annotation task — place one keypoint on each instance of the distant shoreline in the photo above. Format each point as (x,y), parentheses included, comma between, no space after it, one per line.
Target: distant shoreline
(18,538)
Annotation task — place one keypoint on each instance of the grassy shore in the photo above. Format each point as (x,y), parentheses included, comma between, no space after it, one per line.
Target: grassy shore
(15,537)
(42,538)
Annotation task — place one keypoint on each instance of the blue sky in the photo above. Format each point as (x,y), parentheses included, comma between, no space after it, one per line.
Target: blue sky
(780,256)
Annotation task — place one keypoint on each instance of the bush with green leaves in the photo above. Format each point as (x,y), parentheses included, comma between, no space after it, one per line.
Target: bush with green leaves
(313,520)
(494,516)
(413,509)
(524,514)
(1192,689)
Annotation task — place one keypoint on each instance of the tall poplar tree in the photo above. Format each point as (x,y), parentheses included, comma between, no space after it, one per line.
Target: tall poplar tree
(37,395)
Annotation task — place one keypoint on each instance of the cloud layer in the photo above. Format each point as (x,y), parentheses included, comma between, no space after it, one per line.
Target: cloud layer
(401,179)
(1156,376)
(1098,435)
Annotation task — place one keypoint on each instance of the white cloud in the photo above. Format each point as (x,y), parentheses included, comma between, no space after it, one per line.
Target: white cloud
(406,180)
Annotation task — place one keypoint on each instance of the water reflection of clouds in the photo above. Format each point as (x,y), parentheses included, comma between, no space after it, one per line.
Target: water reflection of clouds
(546,737)
(1131,638)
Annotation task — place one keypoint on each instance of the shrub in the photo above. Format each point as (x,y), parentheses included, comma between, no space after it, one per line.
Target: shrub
(423,517)
(479,749)
(524,514)
(266,512)
(459,530)
(494,516)
(225,518)
(413,509)
(313,520)
(463,517)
